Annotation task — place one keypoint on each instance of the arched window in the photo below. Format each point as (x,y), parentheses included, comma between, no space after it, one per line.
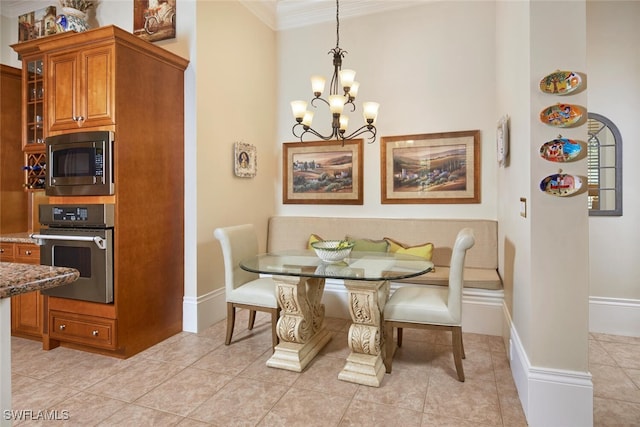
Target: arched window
(604,167)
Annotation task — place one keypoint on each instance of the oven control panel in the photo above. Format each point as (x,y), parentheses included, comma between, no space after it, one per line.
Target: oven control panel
(66,213)
(91,215)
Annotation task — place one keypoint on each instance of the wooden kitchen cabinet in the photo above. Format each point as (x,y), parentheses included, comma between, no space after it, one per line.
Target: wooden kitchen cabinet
(89,330)
(81,88)
(13,205)
(107,79)
(26,309)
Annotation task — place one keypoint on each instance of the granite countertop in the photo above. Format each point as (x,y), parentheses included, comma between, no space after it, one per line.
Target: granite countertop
(18,278)
(16,238)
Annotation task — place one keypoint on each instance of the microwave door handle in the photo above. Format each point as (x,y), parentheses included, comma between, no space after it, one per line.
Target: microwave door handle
(40,238)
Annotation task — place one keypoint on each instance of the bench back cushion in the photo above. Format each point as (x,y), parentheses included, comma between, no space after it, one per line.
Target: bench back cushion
(289,232)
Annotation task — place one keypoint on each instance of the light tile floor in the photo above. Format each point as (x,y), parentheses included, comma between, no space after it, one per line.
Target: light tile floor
(195,380)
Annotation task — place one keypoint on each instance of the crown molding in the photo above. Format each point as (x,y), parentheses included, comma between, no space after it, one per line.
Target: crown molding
(277,14)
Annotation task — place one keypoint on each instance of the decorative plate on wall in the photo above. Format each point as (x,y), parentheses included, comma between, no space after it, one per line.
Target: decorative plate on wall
(560,150)
(561,115)
(560,82)
(561,184)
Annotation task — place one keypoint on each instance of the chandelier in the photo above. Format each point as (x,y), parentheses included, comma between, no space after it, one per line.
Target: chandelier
(342,92)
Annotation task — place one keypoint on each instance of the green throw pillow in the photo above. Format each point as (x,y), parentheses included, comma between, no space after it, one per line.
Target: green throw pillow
(368,245)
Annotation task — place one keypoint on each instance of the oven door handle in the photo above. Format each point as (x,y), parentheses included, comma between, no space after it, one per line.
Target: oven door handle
(99,241)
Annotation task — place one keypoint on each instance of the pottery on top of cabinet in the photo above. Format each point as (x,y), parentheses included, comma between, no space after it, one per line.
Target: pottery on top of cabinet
(560,82)
(74,16)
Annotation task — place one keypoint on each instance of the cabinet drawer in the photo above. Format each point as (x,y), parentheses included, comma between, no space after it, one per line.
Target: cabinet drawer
(27,253)
(80,329)
(7,252)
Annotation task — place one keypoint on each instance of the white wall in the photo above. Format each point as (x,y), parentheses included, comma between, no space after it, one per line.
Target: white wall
(614,91)
(432,69)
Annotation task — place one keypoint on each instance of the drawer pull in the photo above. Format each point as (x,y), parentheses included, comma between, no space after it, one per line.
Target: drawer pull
(27,252)
(1,251)
(95,333)
(63,327)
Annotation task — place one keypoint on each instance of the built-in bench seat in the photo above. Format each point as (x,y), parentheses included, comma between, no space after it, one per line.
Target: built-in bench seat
(481,266)
(483,294)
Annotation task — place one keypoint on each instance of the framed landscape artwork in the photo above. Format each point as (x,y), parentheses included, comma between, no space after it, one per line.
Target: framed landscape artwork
(322,172)
(431,168)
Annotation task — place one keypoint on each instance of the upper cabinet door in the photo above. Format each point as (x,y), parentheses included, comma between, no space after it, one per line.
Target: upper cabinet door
(81,89)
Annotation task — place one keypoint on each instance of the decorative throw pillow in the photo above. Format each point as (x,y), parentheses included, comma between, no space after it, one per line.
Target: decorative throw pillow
(424,250)
(313,238)
(368,245)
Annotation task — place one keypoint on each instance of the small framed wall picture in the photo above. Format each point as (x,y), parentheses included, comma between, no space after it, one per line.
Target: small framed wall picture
(245,160)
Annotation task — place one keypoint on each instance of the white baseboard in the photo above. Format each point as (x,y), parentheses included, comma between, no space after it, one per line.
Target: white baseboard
(549,397)
(615,316)
(481,309)
(201,312)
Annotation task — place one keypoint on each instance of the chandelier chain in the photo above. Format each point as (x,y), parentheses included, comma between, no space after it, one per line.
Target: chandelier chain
(337,25)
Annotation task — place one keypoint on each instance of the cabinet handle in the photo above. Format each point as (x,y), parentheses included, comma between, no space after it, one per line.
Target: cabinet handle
(63,327)
(95,333)
(78,119)
(27,252)
(1,251)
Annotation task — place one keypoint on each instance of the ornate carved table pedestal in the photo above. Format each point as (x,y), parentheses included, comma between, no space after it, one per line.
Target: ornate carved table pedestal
(300,277)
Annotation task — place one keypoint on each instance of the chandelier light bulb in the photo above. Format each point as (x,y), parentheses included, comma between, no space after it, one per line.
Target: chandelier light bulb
(344,122)
(353,92)
(370,111)
(336,103)
(298,108)
(308,118)
(317,85)
(347,77)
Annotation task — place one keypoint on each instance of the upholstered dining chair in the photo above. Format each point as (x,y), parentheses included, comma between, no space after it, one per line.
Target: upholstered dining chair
(245,289)
(424,307)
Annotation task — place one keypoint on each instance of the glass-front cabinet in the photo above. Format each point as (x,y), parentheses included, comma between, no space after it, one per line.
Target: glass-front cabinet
(33,121)
(34,136)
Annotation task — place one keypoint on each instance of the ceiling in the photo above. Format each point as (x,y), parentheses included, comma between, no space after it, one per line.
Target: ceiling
(277,14)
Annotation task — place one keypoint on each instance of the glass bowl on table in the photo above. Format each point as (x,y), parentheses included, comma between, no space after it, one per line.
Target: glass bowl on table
(332,250)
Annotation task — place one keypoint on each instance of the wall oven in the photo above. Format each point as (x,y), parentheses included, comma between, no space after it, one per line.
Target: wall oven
(81,237)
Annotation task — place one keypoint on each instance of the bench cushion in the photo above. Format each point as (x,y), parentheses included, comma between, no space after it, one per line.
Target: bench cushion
(483,278)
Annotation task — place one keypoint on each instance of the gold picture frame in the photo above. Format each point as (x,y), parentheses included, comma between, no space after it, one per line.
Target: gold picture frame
(323,172)
(431,168)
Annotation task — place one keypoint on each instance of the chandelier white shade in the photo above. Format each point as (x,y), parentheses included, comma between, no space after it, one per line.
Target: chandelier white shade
(343,90)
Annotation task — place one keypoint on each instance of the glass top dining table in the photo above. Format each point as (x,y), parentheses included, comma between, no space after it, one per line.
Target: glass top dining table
(299,277)
(367,266)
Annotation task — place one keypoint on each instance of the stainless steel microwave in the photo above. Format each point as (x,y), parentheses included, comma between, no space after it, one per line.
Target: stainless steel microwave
(80,164)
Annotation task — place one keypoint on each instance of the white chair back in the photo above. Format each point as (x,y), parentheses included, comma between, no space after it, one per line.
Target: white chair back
(238,242)
(464,241)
